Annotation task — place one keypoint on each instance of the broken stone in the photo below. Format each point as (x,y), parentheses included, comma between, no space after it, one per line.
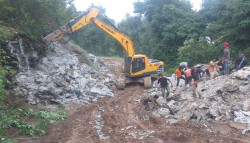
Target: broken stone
(129,127)
(133,135)
(171,121)
(141,138)
(242,117)
(60,75)
(230,88)
(219,118)
(243,73)
(238,126)
(155,114)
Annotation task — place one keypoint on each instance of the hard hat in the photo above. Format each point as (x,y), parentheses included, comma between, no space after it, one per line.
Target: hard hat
(226,44)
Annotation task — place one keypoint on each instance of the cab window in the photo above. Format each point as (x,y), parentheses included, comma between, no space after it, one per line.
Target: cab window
(138,64)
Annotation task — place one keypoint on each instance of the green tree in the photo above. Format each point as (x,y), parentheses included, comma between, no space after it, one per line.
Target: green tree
(199,51)
(34,18)
(228,20)
(169,23)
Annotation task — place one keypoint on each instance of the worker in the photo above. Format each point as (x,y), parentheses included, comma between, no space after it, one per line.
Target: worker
(145,106)
(178,75)
(226,58)
(221,67)
(197,75)
(188,76)
(207,75)
(164,85)
(213,73)
(243,62)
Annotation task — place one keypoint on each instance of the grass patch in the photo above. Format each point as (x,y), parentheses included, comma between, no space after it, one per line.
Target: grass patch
(6,32)
(28,121)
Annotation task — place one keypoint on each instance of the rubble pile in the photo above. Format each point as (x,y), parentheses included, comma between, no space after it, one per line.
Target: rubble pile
(62,76)
(224,99)
(100,124)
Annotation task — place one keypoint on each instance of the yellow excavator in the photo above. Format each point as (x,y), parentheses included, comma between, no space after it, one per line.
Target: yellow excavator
(137,68)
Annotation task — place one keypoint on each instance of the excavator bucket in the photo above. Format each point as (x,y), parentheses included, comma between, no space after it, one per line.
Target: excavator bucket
(56,35)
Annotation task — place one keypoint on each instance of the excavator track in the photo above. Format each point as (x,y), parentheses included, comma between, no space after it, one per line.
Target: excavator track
(147,82)
(121,82)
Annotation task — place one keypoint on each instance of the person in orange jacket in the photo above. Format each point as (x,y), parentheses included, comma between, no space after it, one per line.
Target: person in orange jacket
(178,75)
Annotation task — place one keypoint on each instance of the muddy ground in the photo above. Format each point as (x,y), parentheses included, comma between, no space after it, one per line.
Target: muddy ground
(121,124)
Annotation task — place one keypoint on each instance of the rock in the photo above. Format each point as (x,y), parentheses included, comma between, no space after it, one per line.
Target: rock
(245,131)
(174,106)
(60,76)
(243,73)
(183,64)
(164,111)
(238,126)
(214,112)
(242,117)
(141,137)
(155,115)
(129,127)
(171,121)
(187,112)
(219,118)
(102,91)
(230,88)
(133,135)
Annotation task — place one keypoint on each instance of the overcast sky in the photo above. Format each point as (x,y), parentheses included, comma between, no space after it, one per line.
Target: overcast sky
(117,9)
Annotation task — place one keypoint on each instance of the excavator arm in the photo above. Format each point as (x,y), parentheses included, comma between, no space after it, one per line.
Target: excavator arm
(137,68)
(124,40)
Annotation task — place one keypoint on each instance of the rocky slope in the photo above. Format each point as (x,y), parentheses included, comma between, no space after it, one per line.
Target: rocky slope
(224,99)
(61,77)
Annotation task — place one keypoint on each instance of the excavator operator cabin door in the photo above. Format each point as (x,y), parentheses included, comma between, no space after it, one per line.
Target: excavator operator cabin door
(138,64)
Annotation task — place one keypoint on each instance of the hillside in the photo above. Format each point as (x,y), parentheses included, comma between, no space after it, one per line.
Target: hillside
(220,116)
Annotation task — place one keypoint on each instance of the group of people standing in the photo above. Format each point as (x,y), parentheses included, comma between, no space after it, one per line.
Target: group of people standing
(194,76)
(223,68)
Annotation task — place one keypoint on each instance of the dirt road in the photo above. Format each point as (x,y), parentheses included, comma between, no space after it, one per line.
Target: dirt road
(118,123)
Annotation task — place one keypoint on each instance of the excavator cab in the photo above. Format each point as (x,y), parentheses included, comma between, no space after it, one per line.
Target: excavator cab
(138,64)
(138,68)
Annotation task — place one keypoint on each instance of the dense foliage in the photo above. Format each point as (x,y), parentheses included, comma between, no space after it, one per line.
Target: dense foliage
(34,18)
(171,31)
(198,51)
(22,119)
(167,24)
(30,19)
(228,20)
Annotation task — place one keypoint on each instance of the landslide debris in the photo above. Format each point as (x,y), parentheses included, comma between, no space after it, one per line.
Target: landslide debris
(224,100)
(61,77)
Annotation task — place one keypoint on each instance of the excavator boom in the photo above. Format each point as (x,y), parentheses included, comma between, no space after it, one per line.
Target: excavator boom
(138,68)
(124,40)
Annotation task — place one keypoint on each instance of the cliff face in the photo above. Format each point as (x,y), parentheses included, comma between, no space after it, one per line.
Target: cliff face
(63,75)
